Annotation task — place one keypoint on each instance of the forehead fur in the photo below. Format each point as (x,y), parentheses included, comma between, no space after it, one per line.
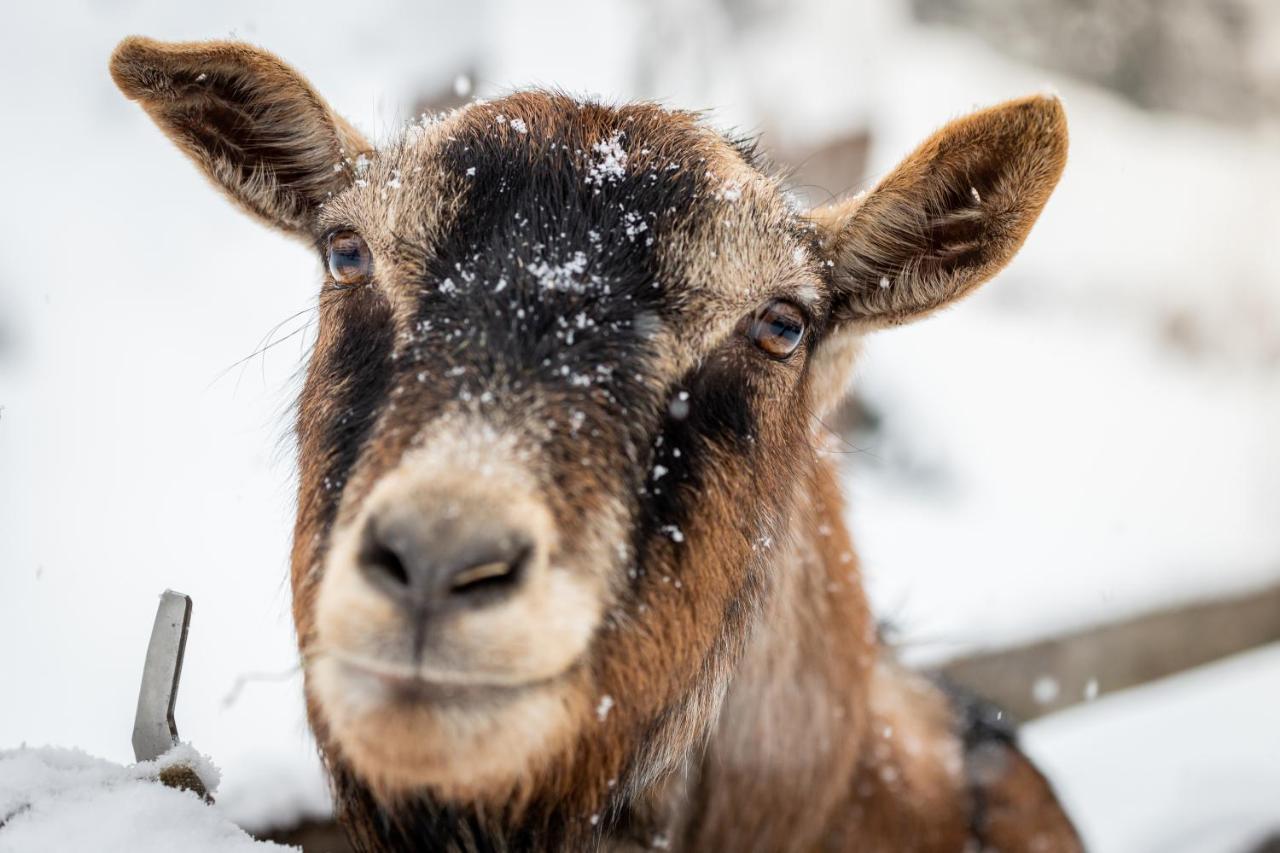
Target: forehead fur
(580,192)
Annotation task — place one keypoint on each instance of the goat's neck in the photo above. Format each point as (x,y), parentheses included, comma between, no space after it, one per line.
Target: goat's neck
(792,721)
(816,728)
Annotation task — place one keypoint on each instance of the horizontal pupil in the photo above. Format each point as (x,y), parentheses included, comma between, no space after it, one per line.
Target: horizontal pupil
(784,329)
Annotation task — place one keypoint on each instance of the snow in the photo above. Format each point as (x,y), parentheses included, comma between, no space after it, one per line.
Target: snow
(1065,474)
(1090,436)
(54,799)
(678,408)
(610,163)
(1045,689)
(568,275)
(1190,764)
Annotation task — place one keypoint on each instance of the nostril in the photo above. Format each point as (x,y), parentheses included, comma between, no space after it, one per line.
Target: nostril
(488,576)
(383,563)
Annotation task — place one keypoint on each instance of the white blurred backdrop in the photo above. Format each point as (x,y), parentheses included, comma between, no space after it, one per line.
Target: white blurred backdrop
(1092,436)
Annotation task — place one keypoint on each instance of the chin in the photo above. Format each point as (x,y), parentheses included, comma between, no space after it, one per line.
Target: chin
(465,743)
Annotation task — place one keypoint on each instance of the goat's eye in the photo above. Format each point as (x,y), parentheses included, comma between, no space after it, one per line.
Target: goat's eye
(777,328)
(350,261)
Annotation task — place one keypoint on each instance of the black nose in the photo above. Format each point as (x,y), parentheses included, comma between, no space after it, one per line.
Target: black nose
(443,564)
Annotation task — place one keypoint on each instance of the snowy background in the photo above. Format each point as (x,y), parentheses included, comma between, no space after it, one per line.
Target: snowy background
(1091,436)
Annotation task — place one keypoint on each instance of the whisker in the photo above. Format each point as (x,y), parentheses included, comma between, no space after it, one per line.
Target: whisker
(245,678)
(265,343)
(853,448)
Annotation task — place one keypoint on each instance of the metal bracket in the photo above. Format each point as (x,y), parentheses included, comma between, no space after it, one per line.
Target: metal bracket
(154,730)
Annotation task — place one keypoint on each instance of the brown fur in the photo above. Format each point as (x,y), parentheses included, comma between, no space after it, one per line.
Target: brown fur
(729,691)
(257,129)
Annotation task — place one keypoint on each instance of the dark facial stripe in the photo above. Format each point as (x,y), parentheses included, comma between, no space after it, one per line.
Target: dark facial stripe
(706,414)
(346,388)
(544,237)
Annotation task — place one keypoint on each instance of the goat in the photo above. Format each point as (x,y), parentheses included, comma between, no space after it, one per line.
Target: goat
(569,568)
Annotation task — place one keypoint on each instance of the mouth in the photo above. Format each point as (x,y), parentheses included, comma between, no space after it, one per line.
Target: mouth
(463,735)
(402,684)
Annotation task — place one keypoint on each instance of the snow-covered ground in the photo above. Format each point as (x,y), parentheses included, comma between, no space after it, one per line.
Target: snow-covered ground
(54,800)
(1091,435)
(1190,764)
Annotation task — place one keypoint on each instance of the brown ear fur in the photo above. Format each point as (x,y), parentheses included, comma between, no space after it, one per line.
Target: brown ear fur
(252,123)
(950,216)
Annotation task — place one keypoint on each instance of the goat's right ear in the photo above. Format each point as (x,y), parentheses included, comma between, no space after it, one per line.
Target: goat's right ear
(254,125)
(949,217)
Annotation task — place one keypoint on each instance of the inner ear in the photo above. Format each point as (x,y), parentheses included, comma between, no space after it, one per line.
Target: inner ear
(254,125)
(949,217)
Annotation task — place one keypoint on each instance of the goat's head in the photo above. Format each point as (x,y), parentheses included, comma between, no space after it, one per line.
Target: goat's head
(562,395)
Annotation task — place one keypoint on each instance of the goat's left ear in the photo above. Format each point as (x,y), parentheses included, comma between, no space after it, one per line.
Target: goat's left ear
(254,125)
(948,218)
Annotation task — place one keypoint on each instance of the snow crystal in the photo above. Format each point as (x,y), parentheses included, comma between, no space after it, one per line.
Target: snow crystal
(674,532)
(1045,689)
(884,282)
(605,706)
(565,276)
(518,125)
(731,192)
(659,471)
(679,406)
(611,161)
(1091,689)
(973,191)
(634,225)
(462,85)
(471,171)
